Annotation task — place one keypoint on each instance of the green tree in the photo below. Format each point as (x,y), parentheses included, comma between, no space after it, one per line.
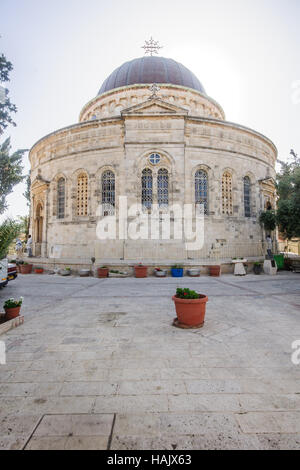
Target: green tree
(27,190)
(9,230)
(25,225)
(6,107)
(10,171)
(288,189)
(268,220)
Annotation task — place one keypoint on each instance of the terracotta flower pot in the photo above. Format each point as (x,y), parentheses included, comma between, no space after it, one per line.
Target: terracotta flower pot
(215,271)
(103,272)
(141,271)
(26,268)
(11,313)
(38,270)
(191,312)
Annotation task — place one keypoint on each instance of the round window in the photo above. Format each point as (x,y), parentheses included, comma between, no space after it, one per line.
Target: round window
(154,159)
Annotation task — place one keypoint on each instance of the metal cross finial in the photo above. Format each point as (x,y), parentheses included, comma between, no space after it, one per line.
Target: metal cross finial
(154,89)
(151,47)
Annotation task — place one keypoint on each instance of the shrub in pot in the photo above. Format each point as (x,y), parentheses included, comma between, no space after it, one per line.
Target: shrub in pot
(65,272)
(141,271)
(103,272)
(177,271)
(12,308)
(257,268)
(26,268)
(215,271)
(190,307)
(160,272)
(19,264)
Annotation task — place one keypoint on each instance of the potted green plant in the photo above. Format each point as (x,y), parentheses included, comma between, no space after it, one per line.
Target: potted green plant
(65,272)
(190,308)
(141,271)
(158,272)
(12,308)
(19,264)
(38,270)
(177,271)
(257,268)
(103,272)
(26,268)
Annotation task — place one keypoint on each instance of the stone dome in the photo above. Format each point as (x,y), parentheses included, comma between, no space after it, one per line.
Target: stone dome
(149,70)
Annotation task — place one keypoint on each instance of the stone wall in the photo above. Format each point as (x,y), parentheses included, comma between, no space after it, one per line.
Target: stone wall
(123,144)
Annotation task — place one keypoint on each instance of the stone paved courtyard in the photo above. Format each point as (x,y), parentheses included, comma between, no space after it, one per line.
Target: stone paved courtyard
(98,365)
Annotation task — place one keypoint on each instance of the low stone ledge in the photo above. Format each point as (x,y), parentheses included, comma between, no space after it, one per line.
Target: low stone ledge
(5,326)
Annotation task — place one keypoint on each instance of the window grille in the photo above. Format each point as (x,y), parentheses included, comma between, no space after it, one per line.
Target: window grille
(61,198)
(163,188)
(227,203)
(247,196)
(147,189)
(155,158)
(82,195)
(108,193)
(201,189)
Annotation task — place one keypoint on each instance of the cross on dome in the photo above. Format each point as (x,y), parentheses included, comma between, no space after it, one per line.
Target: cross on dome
(152,47)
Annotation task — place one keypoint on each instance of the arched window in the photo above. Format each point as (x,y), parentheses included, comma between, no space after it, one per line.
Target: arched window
(247,196)
(108,193)
(227,206)
(82,195)
(61,198)
(163,188)
(147,189)
(201,189)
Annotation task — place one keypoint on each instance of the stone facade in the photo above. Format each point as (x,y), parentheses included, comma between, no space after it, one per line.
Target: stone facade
(117,132)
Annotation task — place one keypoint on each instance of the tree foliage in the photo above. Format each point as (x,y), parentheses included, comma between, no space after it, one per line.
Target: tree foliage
(6,107)
(10,171)
(268,220)
(26,194)
(9,230)
(288,189)
(25,225)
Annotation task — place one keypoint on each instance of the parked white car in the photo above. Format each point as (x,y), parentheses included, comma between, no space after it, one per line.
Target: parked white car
(3,272)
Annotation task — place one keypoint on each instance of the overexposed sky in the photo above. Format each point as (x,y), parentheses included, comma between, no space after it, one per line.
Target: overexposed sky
(245,53)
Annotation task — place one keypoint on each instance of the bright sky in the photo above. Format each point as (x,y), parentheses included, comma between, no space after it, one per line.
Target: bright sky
(245,53)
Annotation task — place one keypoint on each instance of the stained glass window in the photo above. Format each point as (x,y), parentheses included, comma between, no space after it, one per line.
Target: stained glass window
(201,189)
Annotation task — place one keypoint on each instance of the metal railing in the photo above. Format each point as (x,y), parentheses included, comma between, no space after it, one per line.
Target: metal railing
(221,251)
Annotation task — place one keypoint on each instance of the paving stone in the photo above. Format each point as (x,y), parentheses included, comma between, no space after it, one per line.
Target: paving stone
(121,404)
(148,387)
(75,425)
(194,403)
(213,386)
(87,389)
(229,385)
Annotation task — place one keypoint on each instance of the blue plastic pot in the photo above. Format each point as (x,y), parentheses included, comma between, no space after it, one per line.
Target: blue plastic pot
(177,272)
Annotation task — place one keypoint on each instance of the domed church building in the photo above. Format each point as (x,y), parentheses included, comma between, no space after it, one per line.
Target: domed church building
(153,135)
